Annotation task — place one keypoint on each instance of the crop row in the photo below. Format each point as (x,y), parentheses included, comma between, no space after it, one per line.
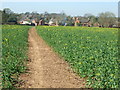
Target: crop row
(14,53)
(91,52)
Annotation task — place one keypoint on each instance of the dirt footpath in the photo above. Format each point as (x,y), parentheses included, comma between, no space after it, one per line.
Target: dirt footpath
(46,68)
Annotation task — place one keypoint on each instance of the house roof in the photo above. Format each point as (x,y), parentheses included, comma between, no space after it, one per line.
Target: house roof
(83,20)
(53,20)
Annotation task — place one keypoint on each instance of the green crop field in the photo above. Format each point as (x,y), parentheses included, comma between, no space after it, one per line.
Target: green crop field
(91,52)
(14,53)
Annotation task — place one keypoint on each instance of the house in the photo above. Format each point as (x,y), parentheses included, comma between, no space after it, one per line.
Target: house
(41,22)
(76,21)
(97,25)
(24,22)
(53,22)
(85,22)
(33,22)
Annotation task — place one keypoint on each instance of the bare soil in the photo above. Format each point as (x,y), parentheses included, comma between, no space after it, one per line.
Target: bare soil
(46,68)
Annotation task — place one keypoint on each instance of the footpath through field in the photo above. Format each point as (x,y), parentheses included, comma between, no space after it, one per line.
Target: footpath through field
(46,68)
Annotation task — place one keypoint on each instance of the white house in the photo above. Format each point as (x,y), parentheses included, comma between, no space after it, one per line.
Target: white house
(53,22)
(33,21)
(25,22)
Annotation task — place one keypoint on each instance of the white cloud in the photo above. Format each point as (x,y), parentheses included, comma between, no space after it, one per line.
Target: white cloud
(59,0)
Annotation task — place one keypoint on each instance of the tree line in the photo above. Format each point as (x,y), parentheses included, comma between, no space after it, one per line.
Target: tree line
(104,19)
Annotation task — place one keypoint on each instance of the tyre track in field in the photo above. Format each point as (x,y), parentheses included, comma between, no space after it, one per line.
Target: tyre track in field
(46,68)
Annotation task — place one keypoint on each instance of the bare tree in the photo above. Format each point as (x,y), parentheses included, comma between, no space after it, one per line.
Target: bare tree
(107,19)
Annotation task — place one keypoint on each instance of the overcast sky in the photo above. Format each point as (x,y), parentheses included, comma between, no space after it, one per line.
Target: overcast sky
(70,7)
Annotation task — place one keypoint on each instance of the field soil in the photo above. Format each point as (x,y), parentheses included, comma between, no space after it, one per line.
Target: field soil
(46,69)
